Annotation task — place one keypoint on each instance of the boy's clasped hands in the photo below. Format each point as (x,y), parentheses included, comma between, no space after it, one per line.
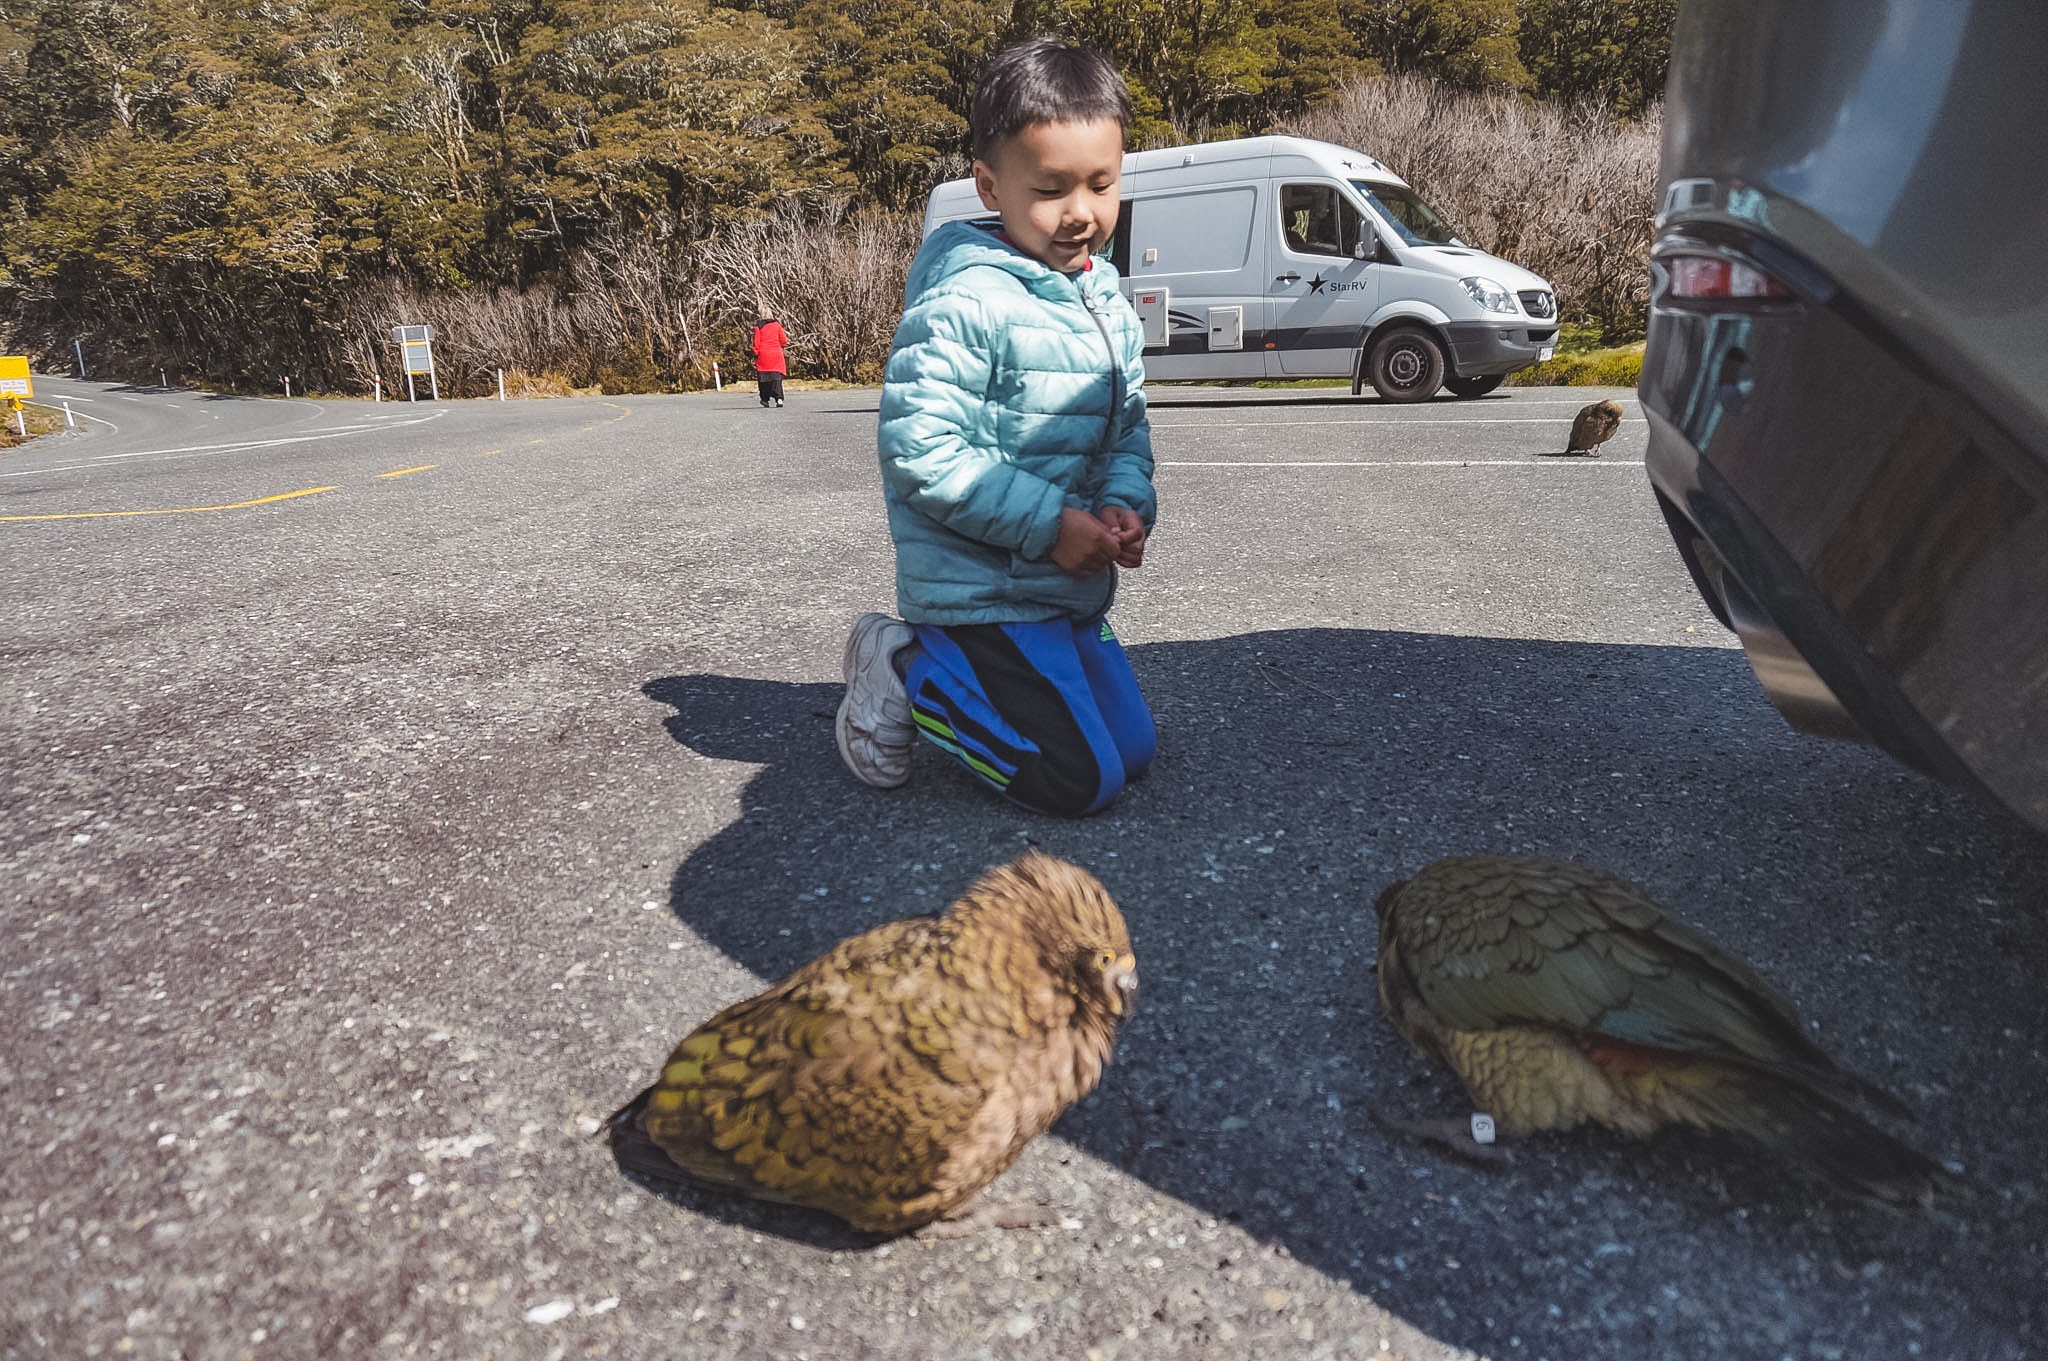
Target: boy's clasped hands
(1088,543)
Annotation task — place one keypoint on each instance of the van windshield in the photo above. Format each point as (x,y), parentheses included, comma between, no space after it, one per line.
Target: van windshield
(1415,221)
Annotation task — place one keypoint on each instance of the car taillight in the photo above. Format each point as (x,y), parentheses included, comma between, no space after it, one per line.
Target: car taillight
(1711,276)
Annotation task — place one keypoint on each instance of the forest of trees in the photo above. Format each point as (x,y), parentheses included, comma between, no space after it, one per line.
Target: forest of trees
(600,192)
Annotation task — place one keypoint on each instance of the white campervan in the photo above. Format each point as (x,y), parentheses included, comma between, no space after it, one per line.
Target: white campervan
(1280,257)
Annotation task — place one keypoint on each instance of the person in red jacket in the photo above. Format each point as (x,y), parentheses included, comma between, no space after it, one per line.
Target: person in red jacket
(769,364)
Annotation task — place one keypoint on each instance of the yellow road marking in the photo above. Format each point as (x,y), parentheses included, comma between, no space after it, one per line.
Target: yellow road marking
(536,441)
(624,411)
(175,510)
(488,452)
(401,472)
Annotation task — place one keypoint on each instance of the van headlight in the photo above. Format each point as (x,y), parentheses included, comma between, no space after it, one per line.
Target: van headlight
(1489,294)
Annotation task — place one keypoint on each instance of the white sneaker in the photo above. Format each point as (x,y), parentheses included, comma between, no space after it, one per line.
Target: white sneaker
(874,727)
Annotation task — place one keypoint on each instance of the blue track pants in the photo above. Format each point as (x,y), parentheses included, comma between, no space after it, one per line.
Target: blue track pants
(1048,713)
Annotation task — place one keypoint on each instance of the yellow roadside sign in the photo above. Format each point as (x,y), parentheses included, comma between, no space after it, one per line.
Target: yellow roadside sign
(14,379)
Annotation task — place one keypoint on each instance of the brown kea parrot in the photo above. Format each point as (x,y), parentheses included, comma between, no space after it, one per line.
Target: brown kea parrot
(1561,994)
(896,1075)
(1594,426)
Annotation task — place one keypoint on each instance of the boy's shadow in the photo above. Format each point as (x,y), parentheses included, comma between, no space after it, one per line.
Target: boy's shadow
(1300,771)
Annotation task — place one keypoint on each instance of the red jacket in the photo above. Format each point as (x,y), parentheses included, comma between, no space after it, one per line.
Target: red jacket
(769,338)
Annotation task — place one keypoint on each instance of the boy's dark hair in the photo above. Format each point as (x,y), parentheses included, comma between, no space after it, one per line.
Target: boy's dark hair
(1044,80)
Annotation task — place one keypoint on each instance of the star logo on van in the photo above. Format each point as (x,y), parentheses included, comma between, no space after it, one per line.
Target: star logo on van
(1315,285)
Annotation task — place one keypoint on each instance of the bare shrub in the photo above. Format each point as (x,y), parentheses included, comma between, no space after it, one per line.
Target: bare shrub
(1563,190)
(612,325)
(833,278)
(634,314)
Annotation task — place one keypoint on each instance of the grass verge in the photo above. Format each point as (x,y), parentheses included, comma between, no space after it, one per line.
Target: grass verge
(41,421)
(1618,366)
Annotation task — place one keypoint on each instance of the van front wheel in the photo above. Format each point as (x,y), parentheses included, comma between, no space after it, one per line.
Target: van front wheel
(1405,365)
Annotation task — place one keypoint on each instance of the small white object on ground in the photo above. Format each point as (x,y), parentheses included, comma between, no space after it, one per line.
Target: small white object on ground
(1482,1128)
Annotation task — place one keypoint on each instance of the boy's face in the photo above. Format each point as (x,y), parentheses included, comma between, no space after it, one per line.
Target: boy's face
(1055,186)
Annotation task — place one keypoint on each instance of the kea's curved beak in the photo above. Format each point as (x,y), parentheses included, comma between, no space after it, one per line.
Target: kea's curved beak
(1123,985)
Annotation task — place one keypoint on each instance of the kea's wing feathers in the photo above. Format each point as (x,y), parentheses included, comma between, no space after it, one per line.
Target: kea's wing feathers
(1589,952)
(840,1087)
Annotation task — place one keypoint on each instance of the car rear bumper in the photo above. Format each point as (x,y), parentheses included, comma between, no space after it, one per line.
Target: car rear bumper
(1877,539)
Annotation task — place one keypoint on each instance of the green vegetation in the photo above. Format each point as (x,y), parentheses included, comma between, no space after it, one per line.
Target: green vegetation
(237,191)
(1618,367)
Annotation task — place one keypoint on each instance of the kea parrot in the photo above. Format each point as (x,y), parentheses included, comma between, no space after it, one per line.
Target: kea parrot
(1562,994)
(1594,426)
(890,1079)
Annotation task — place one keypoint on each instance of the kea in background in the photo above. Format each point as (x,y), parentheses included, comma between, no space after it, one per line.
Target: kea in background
(1562,994)
(893,1077)
(1594,426)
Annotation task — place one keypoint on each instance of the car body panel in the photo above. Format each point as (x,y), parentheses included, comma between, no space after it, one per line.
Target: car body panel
(1857,473)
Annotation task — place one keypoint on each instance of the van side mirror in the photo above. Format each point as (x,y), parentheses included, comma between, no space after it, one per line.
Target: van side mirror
(1363,250)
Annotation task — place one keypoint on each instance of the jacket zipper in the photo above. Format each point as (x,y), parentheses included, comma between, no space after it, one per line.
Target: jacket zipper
(1116,375)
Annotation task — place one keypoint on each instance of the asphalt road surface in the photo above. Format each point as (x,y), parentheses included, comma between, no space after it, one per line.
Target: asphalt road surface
(387,787)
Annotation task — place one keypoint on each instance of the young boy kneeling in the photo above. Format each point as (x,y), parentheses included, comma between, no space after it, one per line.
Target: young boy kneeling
(1016,465)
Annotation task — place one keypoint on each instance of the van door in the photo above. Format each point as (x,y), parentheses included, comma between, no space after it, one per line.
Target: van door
(1200,247)
(1321,294)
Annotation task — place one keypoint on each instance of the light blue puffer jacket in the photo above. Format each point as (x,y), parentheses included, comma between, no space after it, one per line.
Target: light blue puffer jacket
(1012,391)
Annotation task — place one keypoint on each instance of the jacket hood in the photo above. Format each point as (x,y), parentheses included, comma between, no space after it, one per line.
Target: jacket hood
(959,246)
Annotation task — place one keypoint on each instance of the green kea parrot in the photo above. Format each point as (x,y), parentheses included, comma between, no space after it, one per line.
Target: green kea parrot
(890,1079)
(1561,995)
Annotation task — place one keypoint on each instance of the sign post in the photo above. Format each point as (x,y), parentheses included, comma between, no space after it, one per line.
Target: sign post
(416,346)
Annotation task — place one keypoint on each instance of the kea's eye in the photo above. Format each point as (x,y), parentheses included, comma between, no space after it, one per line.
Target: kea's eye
(1104,958)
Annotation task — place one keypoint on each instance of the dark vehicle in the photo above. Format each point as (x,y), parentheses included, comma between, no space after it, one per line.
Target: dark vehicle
(1847,371)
